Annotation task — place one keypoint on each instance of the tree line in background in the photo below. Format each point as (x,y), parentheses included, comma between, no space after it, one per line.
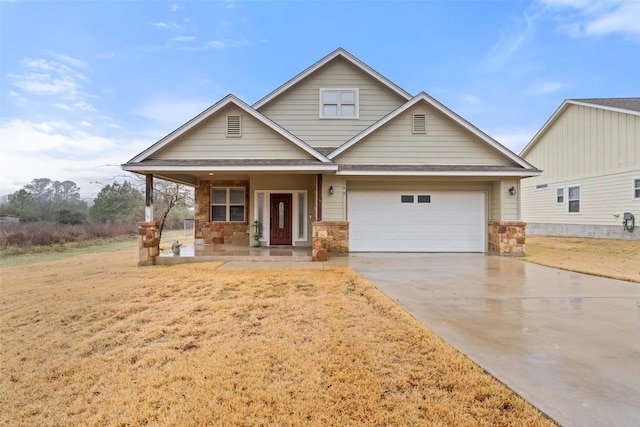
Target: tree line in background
(60,202)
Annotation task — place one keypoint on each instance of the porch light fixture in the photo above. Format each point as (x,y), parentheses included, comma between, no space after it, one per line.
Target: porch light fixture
(512,191)
(331,190)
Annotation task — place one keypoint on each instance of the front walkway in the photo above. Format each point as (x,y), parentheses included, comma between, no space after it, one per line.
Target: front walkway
(569,343)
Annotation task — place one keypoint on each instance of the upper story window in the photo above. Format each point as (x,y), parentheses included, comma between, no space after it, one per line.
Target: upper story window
(636,188)
(339,103)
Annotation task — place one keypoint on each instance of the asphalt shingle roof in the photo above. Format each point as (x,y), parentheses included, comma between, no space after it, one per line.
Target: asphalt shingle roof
(632,104)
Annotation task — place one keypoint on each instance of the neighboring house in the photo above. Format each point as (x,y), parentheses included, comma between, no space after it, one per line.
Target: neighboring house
(342,159)
(589,152)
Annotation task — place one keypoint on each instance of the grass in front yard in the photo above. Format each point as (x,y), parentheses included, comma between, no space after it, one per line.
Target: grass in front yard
(95,340)
(617,259)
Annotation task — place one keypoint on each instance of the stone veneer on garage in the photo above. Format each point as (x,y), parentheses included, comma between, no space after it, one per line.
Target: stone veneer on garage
(329,237)
(507,238)
(219,233)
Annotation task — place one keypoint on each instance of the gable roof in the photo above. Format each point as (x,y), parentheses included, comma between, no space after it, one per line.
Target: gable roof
(619,105)
(423,97)
(211,111)
(340,52)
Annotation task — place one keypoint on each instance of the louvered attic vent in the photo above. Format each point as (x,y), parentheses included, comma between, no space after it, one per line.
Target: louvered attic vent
(234,126)
(419,123)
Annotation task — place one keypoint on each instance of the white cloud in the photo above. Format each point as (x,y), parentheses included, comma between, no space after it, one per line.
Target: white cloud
(225,43)
(545,88)
(59,151)
(86,124)
(172,113)
(175,7)
(166,25)
(514,139)
(181,39)
(470,100)
(59,76)
(624,19)
(580,18)
(509,43)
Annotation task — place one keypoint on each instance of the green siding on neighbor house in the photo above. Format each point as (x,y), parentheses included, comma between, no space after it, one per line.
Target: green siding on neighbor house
(444,143)
(209,141)
(596,149)
(297,109)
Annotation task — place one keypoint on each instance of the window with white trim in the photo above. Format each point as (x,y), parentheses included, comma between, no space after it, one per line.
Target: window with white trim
(339,103)
(227,204)
(636,188)
(574,199)
(560,195)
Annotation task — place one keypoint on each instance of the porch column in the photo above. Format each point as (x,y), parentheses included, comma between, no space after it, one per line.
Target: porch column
(148,200)
(507,238)
(319,197)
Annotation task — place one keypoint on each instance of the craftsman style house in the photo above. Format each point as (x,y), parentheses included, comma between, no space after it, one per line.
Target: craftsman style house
(341,159)
(589,150)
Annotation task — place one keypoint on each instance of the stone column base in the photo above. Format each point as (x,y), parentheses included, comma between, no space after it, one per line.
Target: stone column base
(507,238)
(149,233)
(329,237)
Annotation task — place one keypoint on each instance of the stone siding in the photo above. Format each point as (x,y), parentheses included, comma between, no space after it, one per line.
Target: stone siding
(149,248)
(507,238)
(329,237)
(219,233)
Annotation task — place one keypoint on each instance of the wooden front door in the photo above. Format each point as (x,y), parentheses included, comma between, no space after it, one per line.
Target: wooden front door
(280,221)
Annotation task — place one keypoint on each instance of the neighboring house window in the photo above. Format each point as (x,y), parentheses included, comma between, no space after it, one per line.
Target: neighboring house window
(339,103)
(423,198)
(419,123)
(234,126)
(227,204)
(560,195)
(574,199)
(542,187)
(636,188)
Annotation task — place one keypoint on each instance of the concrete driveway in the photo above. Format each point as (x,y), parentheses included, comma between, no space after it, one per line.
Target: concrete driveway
(568,343)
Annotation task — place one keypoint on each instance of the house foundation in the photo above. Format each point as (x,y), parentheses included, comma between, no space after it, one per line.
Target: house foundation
(329,237)
(507,238)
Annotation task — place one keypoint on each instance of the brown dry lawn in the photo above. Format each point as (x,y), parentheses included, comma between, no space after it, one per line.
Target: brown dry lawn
(617,259)
(95,340)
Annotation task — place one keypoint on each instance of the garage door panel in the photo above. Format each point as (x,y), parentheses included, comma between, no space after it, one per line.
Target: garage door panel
(452,222)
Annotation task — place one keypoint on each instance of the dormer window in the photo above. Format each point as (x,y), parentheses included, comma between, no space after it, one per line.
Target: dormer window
(339,103)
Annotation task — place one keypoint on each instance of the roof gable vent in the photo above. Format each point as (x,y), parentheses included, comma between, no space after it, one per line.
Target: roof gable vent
(419,123)
(234,126)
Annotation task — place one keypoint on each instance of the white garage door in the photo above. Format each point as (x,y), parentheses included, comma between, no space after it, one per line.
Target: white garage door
(391,221)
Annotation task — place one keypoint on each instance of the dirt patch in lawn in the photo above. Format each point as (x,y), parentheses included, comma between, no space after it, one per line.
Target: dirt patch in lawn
(617,259)
(96,340)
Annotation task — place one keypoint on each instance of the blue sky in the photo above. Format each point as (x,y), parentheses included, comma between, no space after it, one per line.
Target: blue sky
(86,85)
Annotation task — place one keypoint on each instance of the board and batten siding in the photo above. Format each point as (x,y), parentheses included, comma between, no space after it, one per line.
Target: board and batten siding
(298,108)
(444,143)
(209,141)
(596,149)
(585,142)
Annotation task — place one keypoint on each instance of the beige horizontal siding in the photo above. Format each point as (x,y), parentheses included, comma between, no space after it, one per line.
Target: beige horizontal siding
(209,141)
(333,206)
(297,109)
(445,143)
(601,198)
